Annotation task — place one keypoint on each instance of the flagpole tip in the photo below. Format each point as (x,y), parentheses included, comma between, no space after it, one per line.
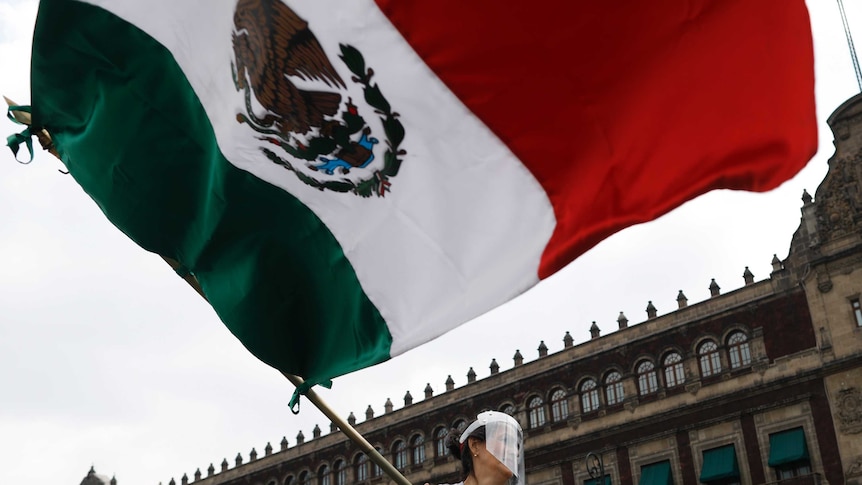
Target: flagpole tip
(20,116)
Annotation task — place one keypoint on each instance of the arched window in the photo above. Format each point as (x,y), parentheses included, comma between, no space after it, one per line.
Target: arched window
(460,425)
(537,412)
(740,352)
(376,471)
(647,380)
(323,475)
(417,445)
(304,477)
(440,441)
(674,374)
(709,361)
(559,405)
(589,396)
(289,480)
(614,388)
(340,472)
(508,409)
(360,465)
(399,454)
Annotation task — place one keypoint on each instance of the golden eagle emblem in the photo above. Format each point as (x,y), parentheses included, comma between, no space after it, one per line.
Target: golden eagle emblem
(307,110)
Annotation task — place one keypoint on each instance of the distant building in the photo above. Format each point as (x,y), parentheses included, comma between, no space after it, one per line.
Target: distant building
(93,478)
(762,384)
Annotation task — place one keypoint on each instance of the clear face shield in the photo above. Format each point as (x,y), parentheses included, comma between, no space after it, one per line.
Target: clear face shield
(504,440)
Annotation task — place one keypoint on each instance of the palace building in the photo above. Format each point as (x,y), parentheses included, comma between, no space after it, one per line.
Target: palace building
(759,385)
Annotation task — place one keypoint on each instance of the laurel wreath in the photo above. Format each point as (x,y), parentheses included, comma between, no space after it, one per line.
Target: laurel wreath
(378,184)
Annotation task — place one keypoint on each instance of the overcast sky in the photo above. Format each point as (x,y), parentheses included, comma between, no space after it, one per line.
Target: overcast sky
(107,358)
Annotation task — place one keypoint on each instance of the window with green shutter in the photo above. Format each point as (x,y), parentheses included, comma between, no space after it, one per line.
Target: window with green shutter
(788,454)
(720,466)
(656,474)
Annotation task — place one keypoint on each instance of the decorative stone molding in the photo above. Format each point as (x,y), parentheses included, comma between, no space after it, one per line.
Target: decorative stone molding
(825,339)
(824,282)
(693,387)
(842,130)
(849,404)
(839,199)
(760,366)
(855,470)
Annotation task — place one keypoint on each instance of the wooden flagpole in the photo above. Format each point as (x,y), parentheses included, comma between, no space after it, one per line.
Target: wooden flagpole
(48,145)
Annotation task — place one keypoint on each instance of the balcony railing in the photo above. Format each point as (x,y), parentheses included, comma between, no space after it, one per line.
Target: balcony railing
(812,479)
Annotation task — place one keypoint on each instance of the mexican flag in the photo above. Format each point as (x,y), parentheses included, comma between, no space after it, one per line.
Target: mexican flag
(350,179)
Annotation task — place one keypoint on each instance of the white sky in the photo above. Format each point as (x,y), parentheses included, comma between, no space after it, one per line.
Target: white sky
(108,359)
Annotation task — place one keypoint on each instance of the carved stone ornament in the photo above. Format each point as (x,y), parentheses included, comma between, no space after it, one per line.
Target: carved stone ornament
(849,404)
(692,387)
(839,199)
(855,469)
(824,282)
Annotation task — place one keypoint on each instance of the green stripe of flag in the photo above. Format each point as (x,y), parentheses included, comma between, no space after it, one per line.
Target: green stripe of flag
(273,272)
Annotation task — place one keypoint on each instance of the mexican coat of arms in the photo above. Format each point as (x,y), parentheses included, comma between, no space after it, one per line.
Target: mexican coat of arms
(303,107)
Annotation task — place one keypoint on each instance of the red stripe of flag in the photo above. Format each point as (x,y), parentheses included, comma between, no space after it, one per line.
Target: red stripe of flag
(625,110)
